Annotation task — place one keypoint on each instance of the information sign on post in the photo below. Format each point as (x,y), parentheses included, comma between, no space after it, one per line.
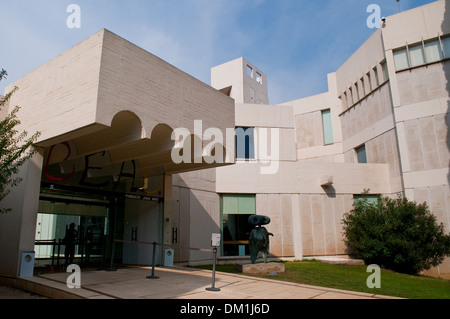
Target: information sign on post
(215,240)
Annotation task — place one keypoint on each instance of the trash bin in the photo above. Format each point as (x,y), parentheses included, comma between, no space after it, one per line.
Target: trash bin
(168,257)
(27,264)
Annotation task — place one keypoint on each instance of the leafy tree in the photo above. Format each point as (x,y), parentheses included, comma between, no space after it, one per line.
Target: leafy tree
(15,147)
(396,234)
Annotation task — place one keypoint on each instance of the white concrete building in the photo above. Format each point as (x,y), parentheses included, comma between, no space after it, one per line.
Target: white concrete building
(382,125)
(107,109)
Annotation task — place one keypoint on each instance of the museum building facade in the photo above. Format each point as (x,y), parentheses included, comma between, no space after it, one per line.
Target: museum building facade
(110,115)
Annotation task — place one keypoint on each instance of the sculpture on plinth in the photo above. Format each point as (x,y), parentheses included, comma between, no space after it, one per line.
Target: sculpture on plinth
(259,237)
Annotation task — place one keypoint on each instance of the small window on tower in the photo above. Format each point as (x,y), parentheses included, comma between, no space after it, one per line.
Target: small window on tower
(249,71)
(259,78)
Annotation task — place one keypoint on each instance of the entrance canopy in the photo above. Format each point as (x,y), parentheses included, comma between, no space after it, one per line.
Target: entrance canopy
(108,108)
(116,158)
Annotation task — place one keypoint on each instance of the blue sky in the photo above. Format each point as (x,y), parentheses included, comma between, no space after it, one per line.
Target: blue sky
(295,42)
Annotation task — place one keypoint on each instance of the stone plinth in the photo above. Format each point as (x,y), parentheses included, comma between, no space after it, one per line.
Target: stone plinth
(261,268)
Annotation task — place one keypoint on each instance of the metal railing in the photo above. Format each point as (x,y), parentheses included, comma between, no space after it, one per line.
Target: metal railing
(57,243)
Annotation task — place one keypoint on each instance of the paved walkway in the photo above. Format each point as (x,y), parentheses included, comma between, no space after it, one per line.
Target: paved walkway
(13,293)
(177,283)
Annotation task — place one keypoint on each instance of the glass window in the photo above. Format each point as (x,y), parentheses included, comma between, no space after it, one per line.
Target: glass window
(363,86)
(433,51)
(369,79)
(417,55)
(327,127)
(238,204)
(357,91)
(377,80)
(236,209)
(401,59)
(385,71)
(345,101)
(245,142)
(371,199)
(446,46)
(361,154)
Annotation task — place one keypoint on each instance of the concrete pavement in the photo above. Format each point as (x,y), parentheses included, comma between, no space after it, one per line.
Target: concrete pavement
(7,292)
(177,283)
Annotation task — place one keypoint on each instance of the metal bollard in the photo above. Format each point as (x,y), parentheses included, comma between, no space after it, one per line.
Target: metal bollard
(153,263)
(213,288)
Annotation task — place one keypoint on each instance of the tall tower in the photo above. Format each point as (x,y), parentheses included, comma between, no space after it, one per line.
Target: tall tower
(242,81)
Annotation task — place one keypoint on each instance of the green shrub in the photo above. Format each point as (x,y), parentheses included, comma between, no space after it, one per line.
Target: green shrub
(395,234)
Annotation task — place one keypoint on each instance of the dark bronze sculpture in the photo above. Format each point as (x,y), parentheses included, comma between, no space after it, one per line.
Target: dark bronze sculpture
(259,237)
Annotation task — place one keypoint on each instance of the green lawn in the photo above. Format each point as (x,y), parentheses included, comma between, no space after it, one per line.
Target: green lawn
(354,278)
